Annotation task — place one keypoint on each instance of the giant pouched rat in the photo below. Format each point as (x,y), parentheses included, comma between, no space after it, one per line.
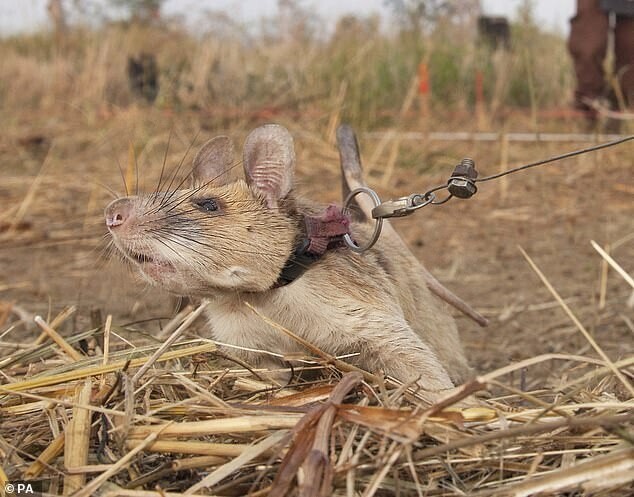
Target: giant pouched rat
(236,241)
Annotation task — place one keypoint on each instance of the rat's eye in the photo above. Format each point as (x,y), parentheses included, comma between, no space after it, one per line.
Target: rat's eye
(206,204)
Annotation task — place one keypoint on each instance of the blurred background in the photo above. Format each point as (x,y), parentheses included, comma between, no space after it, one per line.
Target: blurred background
(96,95)
(236,59)
(28,15)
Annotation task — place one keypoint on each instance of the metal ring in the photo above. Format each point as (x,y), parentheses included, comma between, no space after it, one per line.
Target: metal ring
(430,198)
(377,226)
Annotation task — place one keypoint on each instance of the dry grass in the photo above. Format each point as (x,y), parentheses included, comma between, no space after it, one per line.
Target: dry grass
(94,400)
(192,426)
(107,409)
(231,73)
(187,420)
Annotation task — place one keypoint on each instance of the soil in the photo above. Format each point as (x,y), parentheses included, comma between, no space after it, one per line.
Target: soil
(57,170)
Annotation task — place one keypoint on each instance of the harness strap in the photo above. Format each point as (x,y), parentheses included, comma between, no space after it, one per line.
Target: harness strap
(324,232)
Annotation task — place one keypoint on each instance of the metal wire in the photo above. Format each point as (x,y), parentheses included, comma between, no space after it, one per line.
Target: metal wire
(430,196)
(556,158)
(534,164)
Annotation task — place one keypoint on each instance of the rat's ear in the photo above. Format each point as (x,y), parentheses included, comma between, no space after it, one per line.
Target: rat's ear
(213,162)
(269,161)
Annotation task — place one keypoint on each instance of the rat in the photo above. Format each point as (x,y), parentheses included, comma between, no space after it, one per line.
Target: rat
(230,241)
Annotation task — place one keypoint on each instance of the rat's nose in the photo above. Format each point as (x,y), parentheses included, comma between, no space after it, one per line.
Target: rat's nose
(118,212)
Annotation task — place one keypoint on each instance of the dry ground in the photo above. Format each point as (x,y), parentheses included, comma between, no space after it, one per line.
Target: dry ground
(56,172)
(53,192)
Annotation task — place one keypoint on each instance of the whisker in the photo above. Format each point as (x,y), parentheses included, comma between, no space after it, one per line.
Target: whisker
(169,141)
(125,183)
(136,172)
(170,235)
(180,164)
(108,189)
(186,261)
(195,190)
(202,270)
(168,217)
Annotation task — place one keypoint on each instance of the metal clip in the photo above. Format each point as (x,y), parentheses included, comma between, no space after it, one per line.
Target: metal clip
(402,206)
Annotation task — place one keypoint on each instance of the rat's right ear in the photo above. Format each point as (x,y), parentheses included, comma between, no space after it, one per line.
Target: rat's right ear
(269,161)
(213,162)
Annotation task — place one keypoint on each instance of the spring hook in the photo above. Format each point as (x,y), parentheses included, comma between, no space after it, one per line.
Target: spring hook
(402,206)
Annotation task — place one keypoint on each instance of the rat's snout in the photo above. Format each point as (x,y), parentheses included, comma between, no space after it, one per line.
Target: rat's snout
(118,212)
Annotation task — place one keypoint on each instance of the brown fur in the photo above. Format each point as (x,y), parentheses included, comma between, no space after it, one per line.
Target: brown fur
(372,304)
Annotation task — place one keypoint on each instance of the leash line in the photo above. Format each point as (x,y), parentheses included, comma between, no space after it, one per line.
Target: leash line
(557,157)
(461,184)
